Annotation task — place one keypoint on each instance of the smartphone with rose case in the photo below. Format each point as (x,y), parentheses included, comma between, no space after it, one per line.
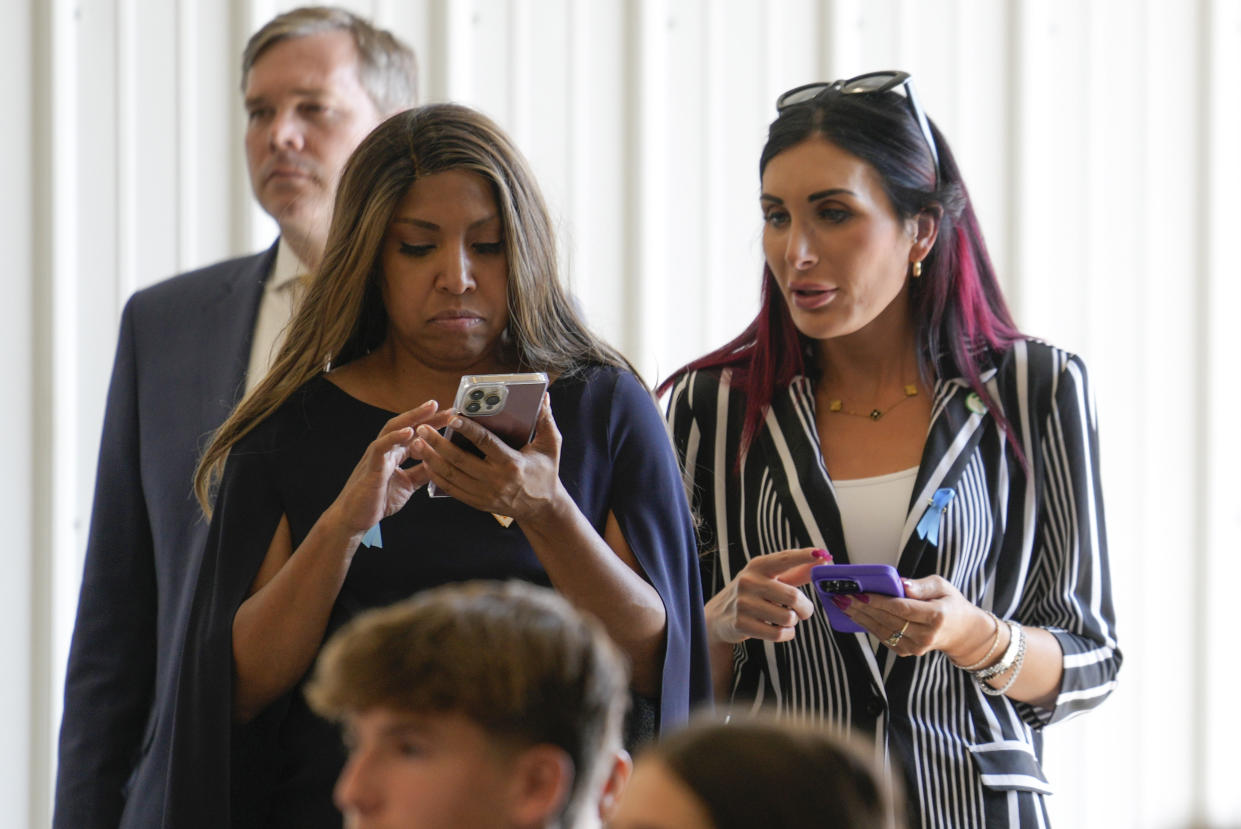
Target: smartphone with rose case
(506,404)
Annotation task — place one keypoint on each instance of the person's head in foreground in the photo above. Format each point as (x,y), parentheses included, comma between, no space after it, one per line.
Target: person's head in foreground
(481,704)
(756,773)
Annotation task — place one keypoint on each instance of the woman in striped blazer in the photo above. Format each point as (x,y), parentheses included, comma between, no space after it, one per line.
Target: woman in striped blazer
(884,408)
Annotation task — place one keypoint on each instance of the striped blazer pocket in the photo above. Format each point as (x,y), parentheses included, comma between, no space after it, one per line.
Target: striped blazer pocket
(1009,765)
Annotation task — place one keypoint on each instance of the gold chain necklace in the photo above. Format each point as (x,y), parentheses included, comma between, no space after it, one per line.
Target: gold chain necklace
(837,407)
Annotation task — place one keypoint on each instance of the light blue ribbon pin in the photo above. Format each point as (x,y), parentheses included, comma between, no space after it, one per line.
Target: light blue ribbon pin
(928,527)
(374,538)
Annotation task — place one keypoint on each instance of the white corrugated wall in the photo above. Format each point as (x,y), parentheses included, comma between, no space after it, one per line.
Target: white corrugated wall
(1099,139)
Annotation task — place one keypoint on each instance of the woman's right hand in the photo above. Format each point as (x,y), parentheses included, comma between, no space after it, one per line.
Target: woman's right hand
(378,486)
(764,600)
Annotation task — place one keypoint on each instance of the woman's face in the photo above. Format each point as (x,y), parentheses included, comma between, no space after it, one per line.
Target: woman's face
(838,251)
(655,798)
(445,273)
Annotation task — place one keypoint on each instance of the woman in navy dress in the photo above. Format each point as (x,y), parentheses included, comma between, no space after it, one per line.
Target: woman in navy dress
(440,263)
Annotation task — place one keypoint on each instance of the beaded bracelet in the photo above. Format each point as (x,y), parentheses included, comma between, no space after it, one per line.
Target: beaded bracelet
(995,640)
(1017,663)
(1010,653)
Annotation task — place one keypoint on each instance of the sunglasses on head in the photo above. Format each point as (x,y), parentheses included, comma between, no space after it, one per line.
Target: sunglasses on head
(871,82)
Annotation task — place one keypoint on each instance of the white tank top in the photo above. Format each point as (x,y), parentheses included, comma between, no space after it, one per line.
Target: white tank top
(873,512)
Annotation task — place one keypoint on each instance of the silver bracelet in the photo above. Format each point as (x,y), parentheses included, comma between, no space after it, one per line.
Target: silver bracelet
(1017,663)
(1010,653)
(995,640)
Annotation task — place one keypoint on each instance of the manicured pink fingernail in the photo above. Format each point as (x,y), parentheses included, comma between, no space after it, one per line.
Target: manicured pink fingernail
(905,583)
(823,554)
(862,597)
(841,601)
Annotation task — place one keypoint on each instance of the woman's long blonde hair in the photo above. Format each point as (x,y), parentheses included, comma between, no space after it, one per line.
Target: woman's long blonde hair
(342,316)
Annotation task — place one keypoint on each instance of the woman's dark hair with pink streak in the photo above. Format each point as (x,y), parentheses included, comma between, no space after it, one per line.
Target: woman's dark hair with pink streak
(961,320)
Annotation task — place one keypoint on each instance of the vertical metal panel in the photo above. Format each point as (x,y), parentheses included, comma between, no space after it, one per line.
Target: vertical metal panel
(728,278)
(515,79)
(646,158)
(150,181)
(57,566)
(746,66)
(67,492)
(23,163)
(101,243)
(186,136)
(792,45)
(541,80)
(436,53)
(1163,339)
(86,230)
(54,389)
(29,580)
(1091,190)
(1054,160)
(678,284)
(1051,124)
(125,55)
(207,137)
(97,154)
(835,32)
(478,56)
(1219,174)
(979,130)
(414,21)
(597,207)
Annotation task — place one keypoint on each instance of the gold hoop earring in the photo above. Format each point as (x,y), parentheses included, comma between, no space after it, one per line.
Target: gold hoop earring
(917,268)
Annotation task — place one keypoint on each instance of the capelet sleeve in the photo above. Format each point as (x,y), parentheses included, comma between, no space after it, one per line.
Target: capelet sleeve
(204,739)
(648,500)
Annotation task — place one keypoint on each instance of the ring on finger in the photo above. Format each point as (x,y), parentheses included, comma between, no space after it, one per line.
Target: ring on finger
(893,640)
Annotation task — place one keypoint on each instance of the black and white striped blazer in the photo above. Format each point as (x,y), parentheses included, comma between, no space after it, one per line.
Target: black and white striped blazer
(1029,547)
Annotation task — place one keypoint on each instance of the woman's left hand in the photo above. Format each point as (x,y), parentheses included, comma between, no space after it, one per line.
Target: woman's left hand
(522,485)
(933,616)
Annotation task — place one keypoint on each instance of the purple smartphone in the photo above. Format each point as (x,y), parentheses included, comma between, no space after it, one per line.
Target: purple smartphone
(843,579)
(507,404)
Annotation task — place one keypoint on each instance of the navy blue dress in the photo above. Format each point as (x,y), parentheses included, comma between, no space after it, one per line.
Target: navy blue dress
(279,770)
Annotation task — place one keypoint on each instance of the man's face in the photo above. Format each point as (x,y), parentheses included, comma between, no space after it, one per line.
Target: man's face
(306,112)
(410,771)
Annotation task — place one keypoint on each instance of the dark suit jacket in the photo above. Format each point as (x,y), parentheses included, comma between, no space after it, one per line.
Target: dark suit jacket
(180,366)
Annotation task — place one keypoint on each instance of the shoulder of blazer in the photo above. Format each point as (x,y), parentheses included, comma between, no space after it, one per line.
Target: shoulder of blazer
(239,280)
(698,391)
(1031,371)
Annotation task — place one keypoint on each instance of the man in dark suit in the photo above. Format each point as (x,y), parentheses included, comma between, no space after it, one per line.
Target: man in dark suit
(316,81)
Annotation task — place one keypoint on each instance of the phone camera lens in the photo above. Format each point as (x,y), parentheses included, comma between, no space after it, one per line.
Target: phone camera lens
(476,394)
(473,406)
(493,399)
